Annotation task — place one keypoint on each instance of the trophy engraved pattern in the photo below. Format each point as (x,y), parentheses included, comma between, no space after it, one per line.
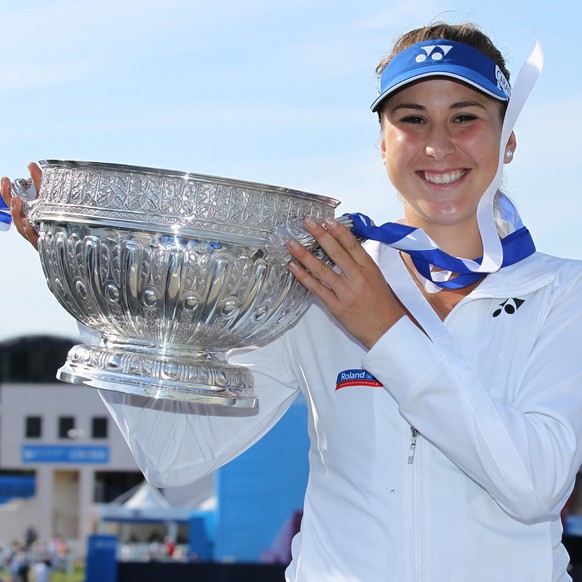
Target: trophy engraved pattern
(173,270)
(172,202)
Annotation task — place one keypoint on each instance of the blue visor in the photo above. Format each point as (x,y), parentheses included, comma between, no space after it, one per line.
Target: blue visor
(443,58)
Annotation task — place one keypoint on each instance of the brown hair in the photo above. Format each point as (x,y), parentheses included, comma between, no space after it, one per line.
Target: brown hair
(466,33)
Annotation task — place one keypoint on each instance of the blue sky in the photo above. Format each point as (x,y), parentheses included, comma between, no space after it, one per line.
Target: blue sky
(274,92)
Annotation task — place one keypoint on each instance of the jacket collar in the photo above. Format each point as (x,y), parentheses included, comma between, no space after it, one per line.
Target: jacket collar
(527,276)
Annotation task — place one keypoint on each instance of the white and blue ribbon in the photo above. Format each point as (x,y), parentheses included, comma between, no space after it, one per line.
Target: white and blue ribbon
(435,265)
(5,218)
(426,254)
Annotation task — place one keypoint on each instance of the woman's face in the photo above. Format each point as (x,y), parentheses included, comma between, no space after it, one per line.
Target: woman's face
(440,141)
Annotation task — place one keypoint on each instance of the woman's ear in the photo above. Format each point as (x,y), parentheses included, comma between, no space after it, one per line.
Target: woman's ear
(510,148)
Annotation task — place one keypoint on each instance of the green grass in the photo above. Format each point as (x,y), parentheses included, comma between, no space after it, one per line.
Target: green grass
(78,575)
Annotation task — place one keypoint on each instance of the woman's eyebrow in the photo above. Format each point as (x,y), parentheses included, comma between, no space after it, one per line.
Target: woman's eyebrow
(418,107)
(414,106)
(463,104)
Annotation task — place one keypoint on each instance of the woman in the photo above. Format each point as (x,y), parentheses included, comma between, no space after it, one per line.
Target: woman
(436,454)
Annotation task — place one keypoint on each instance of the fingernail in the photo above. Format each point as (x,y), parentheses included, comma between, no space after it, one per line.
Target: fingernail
(310,222)
(330,221)
(293,244)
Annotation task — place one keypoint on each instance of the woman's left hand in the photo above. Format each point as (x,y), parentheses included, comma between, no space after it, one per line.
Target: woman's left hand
(358,296)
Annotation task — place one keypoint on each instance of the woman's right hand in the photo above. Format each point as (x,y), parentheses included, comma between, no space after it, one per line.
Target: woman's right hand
(21,223)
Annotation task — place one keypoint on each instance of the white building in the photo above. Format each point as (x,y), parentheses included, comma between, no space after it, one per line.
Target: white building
(62,435)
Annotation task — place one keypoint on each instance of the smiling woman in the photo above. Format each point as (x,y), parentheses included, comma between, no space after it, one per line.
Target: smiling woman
(440,140)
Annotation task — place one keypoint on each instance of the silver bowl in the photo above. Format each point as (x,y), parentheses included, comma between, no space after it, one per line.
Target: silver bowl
(173,270)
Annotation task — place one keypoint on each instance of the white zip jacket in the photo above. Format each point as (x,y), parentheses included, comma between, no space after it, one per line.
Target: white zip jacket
(423,478)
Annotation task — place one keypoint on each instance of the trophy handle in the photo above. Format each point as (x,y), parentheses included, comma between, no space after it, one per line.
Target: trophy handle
(25,189)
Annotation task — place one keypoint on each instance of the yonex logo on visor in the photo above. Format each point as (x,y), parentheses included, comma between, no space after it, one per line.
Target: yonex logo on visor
(435,55)
(443,58)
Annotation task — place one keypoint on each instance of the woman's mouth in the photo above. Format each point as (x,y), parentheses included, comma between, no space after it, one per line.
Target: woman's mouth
(443,177)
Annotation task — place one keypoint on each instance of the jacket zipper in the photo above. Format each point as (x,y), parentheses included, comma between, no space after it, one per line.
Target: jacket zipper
(416,505)
(412,449)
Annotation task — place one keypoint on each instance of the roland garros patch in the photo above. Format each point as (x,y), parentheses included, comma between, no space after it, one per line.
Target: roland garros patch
(356,378)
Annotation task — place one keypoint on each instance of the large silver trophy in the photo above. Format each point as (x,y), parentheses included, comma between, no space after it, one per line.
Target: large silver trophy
(173,270)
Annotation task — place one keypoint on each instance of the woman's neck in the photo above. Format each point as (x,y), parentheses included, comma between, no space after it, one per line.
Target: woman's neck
(458,240)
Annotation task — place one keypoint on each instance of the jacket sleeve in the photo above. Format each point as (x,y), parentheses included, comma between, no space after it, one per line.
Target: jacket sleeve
(175,443)
(524,453)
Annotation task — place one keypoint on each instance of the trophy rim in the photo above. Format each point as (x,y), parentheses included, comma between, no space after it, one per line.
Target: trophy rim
(188,176)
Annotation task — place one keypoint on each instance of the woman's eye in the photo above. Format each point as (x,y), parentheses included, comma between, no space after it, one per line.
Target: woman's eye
(465,118)
(414,119)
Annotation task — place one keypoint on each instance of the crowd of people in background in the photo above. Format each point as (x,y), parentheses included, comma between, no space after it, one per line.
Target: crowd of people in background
(32,560)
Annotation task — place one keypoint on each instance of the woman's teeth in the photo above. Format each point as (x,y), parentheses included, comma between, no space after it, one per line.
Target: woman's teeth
(446,178)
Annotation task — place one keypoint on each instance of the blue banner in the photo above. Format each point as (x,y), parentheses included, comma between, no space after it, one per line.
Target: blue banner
(64,454)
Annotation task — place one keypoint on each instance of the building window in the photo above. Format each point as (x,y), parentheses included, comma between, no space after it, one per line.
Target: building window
(66,427)
(99,427)
(32,359)
(110,485)
(33,427)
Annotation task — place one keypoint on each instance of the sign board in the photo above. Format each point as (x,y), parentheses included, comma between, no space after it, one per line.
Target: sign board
(64,454)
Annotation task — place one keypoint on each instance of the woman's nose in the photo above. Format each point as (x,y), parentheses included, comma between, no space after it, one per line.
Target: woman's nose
(439,144)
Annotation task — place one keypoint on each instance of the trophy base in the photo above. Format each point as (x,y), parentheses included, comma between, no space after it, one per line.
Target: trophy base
(202,378)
